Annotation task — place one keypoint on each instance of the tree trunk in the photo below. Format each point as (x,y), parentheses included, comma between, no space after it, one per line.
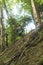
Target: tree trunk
(34,12)
(2,30)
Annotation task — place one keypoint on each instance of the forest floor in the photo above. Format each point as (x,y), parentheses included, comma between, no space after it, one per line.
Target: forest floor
(28,51)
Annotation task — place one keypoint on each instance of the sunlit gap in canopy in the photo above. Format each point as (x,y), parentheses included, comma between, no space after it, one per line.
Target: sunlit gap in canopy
(30,26)
(5,17)
(18,11)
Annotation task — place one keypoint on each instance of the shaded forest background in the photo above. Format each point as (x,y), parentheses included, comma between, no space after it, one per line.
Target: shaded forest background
(21,32)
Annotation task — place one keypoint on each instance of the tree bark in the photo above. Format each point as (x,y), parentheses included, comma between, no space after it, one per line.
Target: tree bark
(2,29)
(34,12)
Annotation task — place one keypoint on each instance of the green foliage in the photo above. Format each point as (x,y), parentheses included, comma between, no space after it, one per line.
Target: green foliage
(8,30)
(26,4)
(14,23)
(40,62)
(14,29)
(39,4)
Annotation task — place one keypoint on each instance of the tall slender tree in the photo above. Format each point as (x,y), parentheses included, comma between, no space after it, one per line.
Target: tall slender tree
(34,12)
(2,28)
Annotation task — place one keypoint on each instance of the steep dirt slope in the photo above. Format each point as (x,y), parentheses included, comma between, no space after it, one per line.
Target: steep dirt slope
(28,51)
